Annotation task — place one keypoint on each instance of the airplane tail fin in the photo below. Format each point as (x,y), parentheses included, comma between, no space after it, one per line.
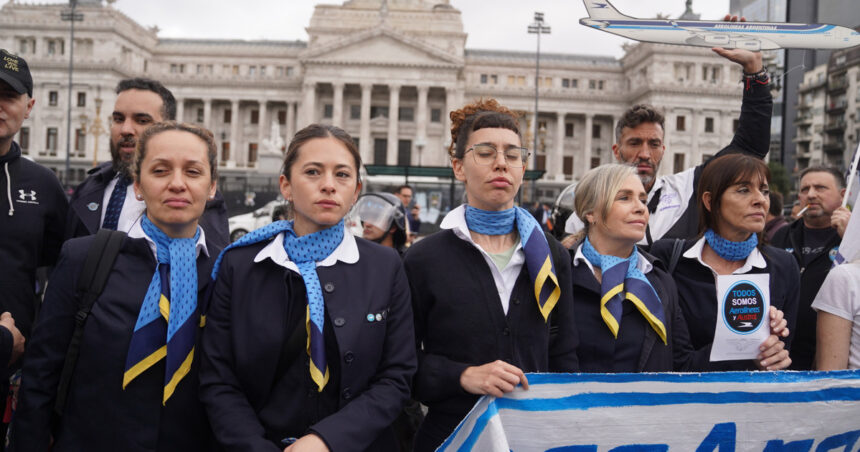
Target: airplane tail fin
(602,9)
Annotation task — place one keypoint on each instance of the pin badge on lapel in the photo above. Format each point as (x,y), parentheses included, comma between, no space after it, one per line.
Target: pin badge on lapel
(378,317)
(371,317)
(93,206)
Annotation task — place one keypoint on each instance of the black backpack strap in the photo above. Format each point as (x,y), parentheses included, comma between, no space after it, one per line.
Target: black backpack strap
(94,274)
(677,249)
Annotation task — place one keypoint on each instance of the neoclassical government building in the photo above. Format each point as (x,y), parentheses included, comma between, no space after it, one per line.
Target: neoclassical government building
(387,71)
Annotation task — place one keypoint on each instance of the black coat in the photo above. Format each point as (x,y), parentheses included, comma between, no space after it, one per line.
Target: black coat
(246,328)
(100,415)
(459,322)
(600,351)
(82,221)
(698,294)
(812,275)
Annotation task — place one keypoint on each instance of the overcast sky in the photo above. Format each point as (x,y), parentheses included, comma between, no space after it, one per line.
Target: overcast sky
(496,24)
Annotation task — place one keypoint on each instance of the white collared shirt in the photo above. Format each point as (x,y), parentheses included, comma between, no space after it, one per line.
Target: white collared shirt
(505,278)
(132,208)
(346,251)
(136,232)
(755,259)
(642,263)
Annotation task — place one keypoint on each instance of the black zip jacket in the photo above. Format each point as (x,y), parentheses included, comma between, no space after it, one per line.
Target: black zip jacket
(32,217)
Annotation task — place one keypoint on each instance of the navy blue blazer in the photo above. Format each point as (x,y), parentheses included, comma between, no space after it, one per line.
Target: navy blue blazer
(459,322)
(697,289)
(639,349)
(100,415)
(82,220)
(246,328)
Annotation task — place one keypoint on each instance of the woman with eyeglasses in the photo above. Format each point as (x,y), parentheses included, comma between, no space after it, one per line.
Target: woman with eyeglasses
(733,204)
(491,291)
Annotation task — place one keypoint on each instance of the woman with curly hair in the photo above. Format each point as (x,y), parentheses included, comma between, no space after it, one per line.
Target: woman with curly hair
(490,292)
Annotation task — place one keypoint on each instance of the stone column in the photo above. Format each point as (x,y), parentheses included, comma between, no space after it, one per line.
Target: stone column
(608,156)
(582,162)
(180,110)
(393,121)
(450,105)
(262,125)
(207,113)
(555,169)
(695,129)
(421,115)
(337,109)
(364,141)
(291,122)
(308,105)
(235,120)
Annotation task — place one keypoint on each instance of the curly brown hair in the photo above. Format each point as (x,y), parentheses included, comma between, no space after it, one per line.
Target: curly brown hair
(480,114)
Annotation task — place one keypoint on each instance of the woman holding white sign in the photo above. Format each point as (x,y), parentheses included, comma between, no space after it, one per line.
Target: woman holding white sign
(727,278)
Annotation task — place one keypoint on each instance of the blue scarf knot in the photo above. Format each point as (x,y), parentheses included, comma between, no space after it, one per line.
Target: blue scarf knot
(622,280)
(305,251)
(539,261)
(729,250)
(166,324)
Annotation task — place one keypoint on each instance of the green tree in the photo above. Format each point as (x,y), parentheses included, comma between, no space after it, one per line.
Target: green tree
(779,180)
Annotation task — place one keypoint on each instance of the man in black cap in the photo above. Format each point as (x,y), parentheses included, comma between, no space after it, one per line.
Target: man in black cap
(104,199)
(33,210)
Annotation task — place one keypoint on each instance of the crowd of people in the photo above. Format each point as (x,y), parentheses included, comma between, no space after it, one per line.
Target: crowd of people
(157,334)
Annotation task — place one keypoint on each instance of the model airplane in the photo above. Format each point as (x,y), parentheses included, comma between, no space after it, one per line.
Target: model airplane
(739,35)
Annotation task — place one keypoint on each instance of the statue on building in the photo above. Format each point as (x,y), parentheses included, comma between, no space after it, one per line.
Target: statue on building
(275,144)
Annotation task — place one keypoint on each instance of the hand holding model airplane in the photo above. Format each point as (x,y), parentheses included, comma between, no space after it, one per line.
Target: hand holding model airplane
(752,36)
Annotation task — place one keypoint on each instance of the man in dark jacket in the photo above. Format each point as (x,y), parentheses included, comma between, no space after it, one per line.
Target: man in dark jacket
(104,199)
(33,207)
(813,240)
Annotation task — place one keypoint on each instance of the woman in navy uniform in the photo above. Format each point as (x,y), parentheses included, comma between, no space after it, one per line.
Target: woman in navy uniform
(627,308)
(733,204)
(479,324)
(135,386)
(343,300)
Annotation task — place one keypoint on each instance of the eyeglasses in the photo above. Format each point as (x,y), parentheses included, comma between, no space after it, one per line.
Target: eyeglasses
(485,154)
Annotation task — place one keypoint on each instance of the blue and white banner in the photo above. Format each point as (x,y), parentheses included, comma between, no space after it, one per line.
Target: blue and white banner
(725,411)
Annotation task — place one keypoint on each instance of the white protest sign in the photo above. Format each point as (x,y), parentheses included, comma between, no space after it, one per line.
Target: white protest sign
(725,411)
(742,316)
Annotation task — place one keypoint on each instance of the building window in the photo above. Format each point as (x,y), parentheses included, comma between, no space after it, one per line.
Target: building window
(494,79)
(290,71)
(540,162)
(24,139)
(681,123)
(51,140)
(484,79)
(252,153)
(376,112)
(591,84)
(328,111)
(53,98)
(82,99)
(406,114)
(200,115)
(678,163)
(282,117)
(225,151)
(228,116)
(380,151)
(567,165)
(235,69)
(600,84)
(404,152)
(565,83)
(512,80)
(255,116)
(709,125)
(55,47)
(252,70)
(262,71)
(574,82)
(595,162)
(80,141)
(355,111)
(521,80)
(199,69)
(595,130)
(435,115)
(279,71)
(568,129)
